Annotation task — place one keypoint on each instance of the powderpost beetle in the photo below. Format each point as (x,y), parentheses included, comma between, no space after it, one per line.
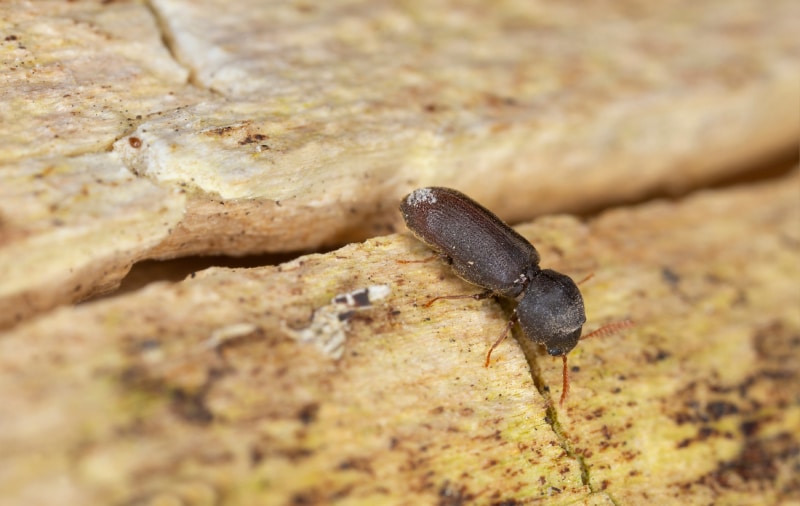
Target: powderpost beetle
(482,250)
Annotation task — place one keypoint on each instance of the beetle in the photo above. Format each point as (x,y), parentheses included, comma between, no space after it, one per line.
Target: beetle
(484,251)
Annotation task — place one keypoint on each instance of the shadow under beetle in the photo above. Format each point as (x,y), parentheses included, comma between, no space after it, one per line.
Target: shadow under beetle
(482,250)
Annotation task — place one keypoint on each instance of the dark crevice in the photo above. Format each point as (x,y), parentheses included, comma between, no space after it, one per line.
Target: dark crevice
(150,271)
(769,167)
(169,43)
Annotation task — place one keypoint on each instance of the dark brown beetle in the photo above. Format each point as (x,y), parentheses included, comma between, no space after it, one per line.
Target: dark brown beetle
(486,252)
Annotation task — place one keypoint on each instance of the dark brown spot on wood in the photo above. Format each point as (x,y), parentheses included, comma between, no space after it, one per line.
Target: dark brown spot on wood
(308,413)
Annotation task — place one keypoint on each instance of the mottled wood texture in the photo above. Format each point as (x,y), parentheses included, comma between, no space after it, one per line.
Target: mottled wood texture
(199,390)
(133,130)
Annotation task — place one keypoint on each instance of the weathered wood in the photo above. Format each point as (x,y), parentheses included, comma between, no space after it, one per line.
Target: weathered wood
(200,391)
(288,128)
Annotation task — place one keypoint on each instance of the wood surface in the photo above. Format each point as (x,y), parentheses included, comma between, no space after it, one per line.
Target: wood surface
(294,127)
(134,130)
(201,392)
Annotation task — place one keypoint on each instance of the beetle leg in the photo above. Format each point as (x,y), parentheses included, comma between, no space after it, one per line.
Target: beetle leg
(565,375)
(501,338)
(477,296)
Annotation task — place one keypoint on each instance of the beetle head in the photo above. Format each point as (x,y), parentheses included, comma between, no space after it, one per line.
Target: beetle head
(551,312)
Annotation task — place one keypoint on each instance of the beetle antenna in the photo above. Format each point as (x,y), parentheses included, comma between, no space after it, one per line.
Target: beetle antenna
(609,328)
(585,279)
